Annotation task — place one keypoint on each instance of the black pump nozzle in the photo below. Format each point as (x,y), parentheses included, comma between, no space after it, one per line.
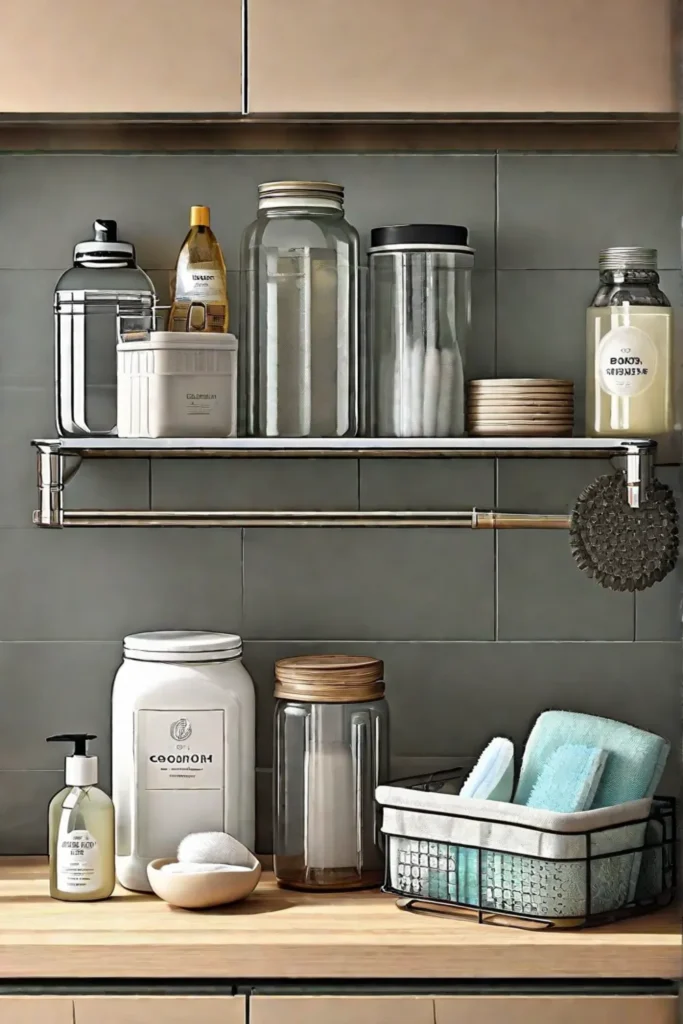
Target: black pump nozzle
(79,739)
(105,230)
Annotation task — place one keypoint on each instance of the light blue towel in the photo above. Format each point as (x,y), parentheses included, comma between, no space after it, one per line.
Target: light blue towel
(492,778)
(570,779)
(635,763)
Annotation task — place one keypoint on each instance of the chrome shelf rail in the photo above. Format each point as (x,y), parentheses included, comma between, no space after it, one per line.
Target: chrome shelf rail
(474,519)
(60,458)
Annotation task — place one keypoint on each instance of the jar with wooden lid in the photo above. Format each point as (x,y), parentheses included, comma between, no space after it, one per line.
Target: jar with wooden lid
(331,751)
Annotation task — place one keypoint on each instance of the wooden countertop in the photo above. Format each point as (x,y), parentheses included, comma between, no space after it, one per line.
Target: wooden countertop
(281,934)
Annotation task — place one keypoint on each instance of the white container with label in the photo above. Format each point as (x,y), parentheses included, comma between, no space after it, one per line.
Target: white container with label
(177,384)
(629,349)
(183,758)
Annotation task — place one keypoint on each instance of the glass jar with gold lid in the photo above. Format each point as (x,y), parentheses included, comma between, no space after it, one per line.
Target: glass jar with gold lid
(331,752)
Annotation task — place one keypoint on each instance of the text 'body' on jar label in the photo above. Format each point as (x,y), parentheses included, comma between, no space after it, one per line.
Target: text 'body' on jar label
(626,361)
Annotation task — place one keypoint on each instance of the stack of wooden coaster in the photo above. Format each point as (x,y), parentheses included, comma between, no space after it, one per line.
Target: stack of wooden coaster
(520,408)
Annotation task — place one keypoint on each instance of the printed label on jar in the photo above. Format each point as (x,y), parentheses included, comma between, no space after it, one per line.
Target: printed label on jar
(180,749)
(78,861)
(626,362)
(200,284)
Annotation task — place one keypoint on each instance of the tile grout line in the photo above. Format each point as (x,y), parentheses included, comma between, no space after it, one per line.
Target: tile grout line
(242,582)
(496,463)
(496,551)
(357,640)
(496,215)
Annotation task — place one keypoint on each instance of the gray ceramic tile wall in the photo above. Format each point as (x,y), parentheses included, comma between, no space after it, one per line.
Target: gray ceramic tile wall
(479,632)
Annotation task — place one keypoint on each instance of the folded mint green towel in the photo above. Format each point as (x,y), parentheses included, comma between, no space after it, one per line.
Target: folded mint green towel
(634,766)
(570,779)
(635,763)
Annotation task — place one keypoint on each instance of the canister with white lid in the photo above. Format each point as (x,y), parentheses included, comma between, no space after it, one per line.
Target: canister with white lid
(183,760)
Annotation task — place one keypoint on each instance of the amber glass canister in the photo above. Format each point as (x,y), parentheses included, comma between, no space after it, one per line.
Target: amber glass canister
(331,751)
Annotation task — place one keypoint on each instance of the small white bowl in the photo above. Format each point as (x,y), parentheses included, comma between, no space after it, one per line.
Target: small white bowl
(203,889)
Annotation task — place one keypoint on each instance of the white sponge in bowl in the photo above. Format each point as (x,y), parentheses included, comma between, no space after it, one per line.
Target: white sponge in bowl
(214,848)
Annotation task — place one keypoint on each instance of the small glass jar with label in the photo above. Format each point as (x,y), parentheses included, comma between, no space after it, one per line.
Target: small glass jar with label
(629,348)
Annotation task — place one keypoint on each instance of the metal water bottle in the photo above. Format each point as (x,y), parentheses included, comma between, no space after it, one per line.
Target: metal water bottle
(103,289)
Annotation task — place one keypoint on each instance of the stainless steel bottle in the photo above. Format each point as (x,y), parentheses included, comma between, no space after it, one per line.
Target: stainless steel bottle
(102,290)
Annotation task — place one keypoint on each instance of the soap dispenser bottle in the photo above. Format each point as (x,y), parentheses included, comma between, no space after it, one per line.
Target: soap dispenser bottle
(81,829)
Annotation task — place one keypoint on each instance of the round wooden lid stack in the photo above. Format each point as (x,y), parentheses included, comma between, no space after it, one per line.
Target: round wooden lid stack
(520,407)
(330,678)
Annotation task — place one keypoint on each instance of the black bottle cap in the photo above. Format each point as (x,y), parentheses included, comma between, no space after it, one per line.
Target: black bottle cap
(79,739)
(105,230)
(419,234)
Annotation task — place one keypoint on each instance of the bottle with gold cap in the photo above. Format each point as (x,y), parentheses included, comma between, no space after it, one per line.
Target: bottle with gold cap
(200,301)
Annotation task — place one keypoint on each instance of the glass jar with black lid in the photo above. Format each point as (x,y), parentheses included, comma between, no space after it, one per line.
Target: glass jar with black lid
(420,313)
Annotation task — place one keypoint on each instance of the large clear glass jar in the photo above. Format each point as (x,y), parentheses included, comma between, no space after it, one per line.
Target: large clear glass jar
(300,313)
(629,348)
(420,317)
(331,752)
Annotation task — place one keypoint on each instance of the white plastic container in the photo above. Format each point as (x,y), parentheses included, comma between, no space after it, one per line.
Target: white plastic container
(183,728)
(175,384)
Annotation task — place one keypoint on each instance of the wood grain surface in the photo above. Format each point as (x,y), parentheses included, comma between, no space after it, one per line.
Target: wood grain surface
(281,934)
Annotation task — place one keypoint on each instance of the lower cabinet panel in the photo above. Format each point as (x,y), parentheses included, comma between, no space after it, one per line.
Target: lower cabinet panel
(36,1010)
(555,1009)
(341,1010)
(156,1010)
(498,1009)
(503,1009)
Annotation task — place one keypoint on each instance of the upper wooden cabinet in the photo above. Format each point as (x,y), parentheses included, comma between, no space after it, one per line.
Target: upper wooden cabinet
(461,56)
(120,57)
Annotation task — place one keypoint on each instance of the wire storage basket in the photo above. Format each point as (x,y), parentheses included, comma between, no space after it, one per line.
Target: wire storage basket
(522,867)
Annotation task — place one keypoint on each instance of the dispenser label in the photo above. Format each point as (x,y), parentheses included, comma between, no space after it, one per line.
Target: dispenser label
(78,861)
(180,749)
(626,362)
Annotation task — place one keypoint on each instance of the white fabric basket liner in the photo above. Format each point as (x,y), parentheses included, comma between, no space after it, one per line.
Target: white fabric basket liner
(407,814)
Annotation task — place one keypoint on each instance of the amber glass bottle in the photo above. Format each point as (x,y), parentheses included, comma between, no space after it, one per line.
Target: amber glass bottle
(200,301)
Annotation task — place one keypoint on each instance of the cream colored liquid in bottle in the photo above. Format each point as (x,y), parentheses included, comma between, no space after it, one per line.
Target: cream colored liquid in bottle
(629,349)
(200,300)
(81,830)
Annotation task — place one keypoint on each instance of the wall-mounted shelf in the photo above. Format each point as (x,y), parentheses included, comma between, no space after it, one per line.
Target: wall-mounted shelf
(58,460)
(361,447)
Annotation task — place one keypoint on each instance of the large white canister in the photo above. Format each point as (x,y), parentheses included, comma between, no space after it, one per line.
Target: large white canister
(183,727)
